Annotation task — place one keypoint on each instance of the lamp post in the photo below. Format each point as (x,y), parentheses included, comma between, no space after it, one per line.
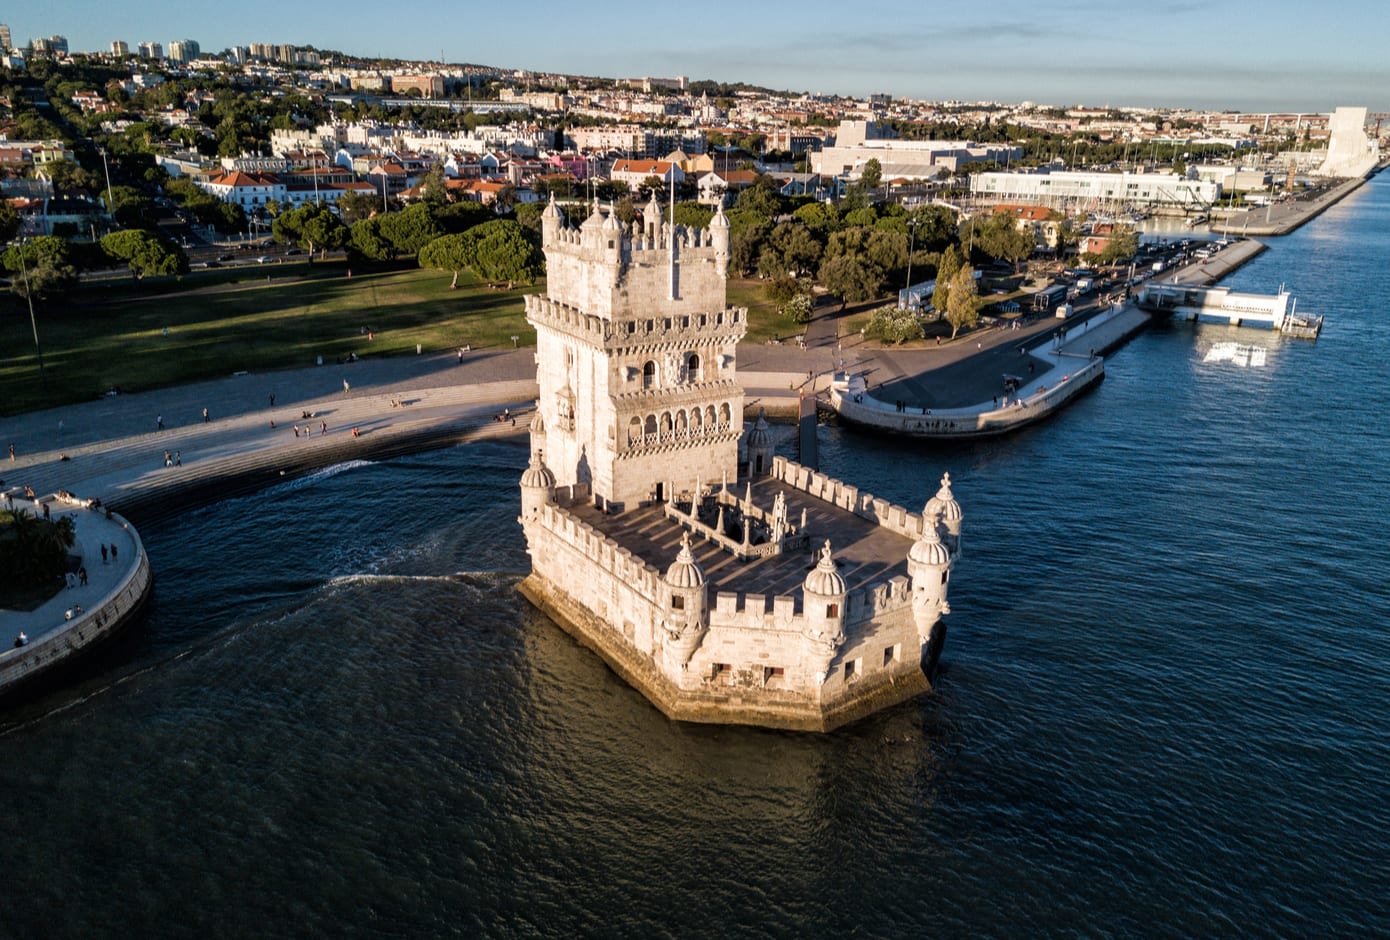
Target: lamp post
(33,323)
(911,244)
(110,200)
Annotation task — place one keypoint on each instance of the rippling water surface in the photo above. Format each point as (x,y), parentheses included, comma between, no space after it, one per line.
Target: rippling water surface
(1163,707)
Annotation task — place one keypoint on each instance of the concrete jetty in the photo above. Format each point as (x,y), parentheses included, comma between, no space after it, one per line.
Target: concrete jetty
(113,586)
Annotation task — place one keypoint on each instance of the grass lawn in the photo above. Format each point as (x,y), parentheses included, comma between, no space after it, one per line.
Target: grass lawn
(764,321)
(256,318)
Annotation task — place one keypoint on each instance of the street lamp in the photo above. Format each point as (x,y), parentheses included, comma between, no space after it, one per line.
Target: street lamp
(110,200)
(33,323)
(911,244)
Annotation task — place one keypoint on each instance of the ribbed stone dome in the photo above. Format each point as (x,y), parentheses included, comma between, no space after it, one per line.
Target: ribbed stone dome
(537,474)
(929,549)
(759,436)
(611,223)
(537,423)
(824,579)
(652,214)
(685,572)
(720,220)
(943,504)
(595,218)
(552,211)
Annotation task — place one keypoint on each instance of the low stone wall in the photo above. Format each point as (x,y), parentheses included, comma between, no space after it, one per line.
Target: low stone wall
(724,704)
(1036,402)
(112,612)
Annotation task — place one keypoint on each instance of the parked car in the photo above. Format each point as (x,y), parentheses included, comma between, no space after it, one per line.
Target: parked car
(225,258)
(264,259)
(294,251)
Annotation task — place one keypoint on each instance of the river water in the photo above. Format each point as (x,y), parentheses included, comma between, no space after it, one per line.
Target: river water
(1162,710)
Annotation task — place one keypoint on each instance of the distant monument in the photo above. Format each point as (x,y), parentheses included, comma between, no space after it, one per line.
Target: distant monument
(1350,150)
(731,590)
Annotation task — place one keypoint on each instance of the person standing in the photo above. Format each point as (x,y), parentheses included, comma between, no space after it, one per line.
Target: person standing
(323,426)
(272,399)
(346,387)
(178,458)
(205,416)
(113,553)
(11,452)
(103,553)
(159,422)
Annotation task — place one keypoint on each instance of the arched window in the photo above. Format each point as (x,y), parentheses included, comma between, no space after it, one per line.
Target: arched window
(665,425)
(650,427)
(649,374)
(709,417)
(725,415)
(692,368)
(634,430)
(682,428)
(695,420)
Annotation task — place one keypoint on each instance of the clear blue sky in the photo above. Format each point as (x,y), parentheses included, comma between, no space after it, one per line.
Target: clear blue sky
(1245,54)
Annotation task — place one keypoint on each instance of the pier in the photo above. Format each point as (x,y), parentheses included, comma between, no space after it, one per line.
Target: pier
(1193,302)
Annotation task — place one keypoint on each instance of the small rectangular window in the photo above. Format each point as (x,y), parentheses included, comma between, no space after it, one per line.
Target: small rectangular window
(677,602)
(890,655)
(850,669)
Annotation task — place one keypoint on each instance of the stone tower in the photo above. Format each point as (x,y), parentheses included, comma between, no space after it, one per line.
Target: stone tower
(635,356)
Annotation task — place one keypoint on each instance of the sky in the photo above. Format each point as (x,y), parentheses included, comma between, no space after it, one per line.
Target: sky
(1255,55)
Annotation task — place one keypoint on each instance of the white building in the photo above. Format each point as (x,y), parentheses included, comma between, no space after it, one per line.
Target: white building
(1093,190)
(858,142)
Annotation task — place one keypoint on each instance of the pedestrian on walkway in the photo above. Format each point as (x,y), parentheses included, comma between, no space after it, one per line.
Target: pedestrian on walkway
(11,453)
(272,399)
(82,575)
(346,387)
(178,458)
(103,553)
(45,512)
(168,459)
(159,422)
(205,416)
(296,430)
(113,553)
(323,425)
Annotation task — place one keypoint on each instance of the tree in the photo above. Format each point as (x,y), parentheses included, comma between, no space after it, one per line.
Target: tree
(9,221)
(872,174)
(446,253)
(762,197)
(354,206)
(963,307)
(461,216)
(820,217)
(410,230)
(144,253)
(34,552)
(312,227)
(365,238)
(45,276)
(891,325)
(651,186)
(848,277)
(951,262)
(790,250)
(693,215)
(1121,245)
(503,250)
(798,308)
